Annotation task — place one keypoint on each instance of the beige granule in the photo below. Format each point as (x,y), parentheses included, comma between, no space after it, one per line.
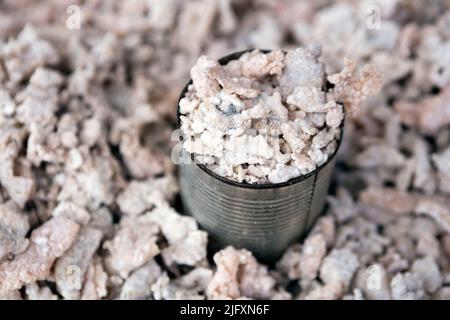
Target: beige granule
(257,65)
(374,282)
(314,250)
(187,244)
(379,156)
(95,283)
(233,85)
(389,199)
(326,226)
(14,226)
(165,289)
(302,68)
(304,261)
(339,266)
(335,116)
(25,54)
(137,285)
(442,294)
(47,243)
(289,263)
(7,104)
(442,162)
(342,205)
(308,99)
(197,280)
(329,291)
(239,275)
(429,272)
(429,114)
(70,268)
(133,245)
(19,187)
(407,286)
(194,24)
(140,196)
(34,292)
(436,209)
(140,160)
(204,84)
(353,86)
(70,210)
(227,20)
(10,295)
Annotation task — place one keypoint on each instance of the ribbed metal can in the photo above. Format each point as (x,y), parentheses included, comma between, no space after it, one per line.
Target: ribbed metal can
(263,218)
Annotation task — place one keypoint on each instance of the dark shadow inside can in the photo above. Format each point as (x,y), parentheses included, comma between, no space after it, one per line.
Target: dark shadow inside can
(264,218)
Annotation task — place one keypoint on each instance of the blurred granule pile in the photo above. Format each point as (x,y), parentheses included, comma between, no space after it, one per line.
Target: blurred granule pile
(88,187)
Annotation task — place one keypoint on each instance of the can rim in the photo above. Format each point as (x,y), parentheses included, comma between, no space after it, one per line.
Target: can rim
(224,60)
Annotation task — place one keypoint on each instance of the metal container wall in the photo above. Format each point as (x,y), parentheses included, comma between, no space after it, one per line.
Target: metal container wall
(262,218)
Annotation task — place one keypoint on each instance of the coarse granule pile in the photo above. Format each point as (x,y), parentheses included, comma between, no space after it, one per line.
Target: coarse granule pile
(88,189)
(262,118)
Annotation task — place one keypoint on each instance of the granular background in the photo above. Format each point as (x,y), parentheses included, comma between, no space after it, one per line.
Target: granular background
(89,190)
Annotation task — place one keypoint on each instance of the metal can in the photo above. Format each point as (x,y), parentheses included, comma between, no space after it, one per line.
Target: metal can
(263,218)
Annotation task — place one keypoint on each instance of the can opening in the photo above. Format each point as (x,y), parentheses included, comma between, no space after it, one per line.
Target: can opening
(223,61)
